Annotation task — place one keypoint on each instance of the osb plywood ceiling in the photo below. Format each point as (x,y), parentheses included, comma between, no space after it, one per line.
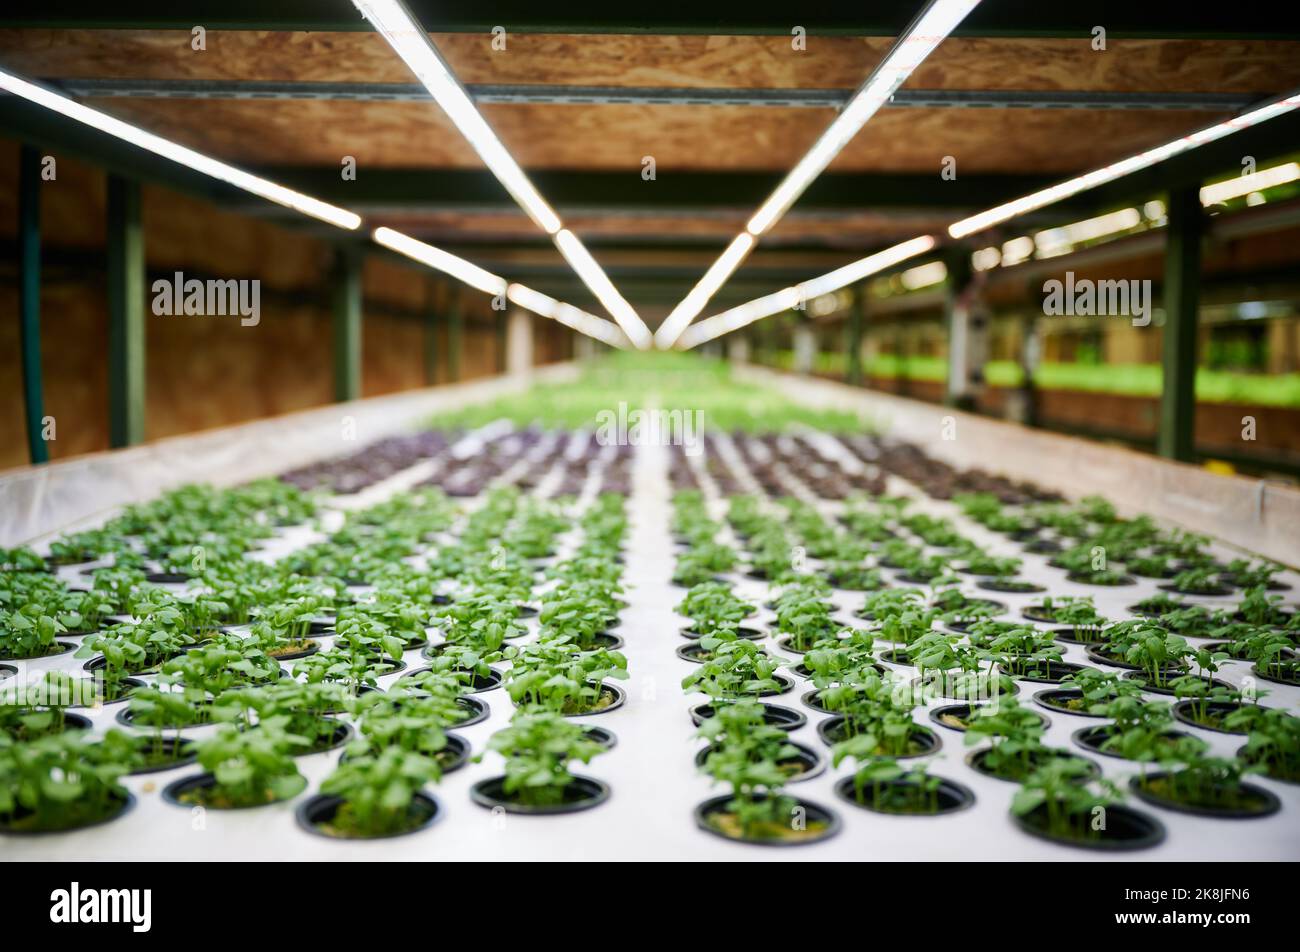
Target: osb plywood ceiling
(682,138)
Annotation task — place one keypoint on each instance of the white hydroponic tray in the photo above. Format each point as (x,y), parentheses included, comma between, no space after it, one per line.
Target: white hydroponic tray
(651,770)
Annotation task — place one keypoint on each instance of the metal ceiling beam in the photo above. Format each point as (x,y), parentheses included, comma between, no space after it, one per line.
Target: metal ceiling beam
(535,94)
(1122,18)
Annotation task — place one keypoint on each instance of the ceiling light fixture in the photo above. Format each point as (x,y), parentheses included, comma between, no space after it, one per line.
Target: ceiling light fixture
(489,283)
(787,298)
(930,27)
(263,188)
(1116,170)
(398,26)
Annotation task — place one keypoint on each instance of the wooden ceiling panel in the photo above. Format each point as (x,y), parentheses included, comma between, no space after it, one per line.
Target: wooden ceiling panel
(1128,65)
(612,138)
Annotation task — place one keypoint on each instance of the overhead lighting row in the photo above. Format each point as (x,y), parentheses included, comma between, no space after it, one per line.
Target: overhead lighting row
(930,28)
(1020,249)
(440,260)
(395,22)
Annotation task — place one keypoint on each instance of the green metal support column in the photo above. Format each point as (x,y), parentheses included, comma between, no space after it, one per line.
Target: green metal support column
(857,323)
(455,335)
(958,318)
(126,342)
(1177,436)
(437,295)
(29,299)
(347,324)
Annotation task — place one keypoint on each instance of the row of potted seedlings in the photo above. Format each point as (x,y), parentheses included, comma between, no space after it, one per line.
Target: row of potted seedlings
(208,654)
(979,658)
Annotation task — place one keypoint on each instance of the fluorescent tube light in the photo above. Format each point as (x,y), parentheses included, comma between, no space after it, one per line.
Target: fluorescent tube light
(440,260)
(263,188)
(705,288)
(396,24)
(865,267)
(930,27)
(918,41)
(923,275)
(567,314)
(1109,173)
(594,277)
(788,298)
(1245,184)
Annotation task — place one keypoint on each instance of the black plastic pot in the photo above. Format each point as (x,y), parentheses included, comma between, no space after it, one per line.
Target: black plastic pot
(455,755)
(7,671)
(1126,829)
(183,753)
(1034,613)
(810,764)
(773,715)
(478,710)
(63,646)
(1266,801)
(1183,709)
(1066,637)
(752,634)
(953,797)
(126,718)
(321,625)
(1080,578)
(620,696)
(1043,547)
(962,712)
(606,640)
(897,656)
(480,684)
(1046,699)
(1157,689)
(1258,672)
(337,739)
(693,652)
(1091,739)
(173,792)
(1242,754)
(1050,672)
(976,761)
(127,802)
(813,813)
(952,689)
(312,647)
(603,736)
(582,793)
(313,813)
(1095,654)
(1011,587)
(831,732)
(1215,592)
(167,578)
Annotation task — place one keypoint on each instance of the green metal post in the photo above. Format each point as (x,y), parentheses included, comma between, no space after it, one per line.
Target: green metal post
(29,300)
(455,335)
(347,324)
(958,320)
(857,324)
(126,329)
(1177,436)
